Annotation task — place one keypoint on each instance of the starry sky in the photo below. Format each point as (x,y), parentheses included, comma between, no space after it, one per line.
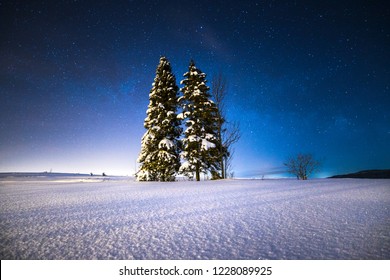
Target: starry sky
(303,76)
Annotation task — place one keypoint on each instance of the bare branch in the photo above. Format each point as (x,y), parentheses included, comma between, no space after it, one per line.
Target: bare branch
(219,92)
(302,165)
(228,133)
(232,134)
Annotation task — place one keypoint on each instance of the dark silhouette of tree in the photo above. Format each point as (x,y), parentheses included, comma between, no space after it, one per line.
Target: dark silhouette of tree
(228,133)
(302,165)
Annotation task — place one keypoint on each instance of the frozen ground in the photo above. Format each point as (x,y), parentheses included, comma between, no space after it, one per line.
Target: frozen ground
(91,218)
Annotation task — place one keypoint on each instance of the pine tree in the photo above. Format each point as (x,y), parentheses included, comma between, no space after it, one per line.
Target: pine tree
(160,147)
(200,143)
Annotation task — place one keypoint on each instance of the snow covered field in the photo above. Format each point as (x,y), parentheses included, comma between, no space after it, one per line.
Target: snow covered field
(93,218)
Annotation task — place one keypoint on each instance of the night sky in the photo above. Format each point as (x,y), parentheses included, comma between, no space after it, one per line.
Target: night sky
(303,76)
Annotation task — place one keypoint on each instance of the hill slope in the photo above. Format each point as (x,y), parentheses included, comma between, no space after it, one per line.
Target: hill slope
(367,174)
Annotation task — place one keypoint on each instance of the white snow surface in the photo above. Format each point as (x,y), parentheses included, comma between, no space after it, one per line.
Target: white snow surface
(206,145)
(117,218)
(166,143)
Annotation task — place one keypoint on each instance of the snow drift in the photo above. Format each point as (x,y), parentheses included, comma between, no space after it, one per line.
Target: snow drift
(45,218)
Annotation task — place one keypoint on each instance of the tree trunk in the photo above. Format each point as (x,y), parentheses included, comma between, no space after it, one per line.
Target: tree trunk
(223,173)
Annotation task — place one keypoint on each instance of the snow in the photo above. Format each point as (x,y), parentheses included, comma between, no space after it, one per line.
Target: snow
(210,136)
(186,166)
(143,175)
(166,143)
(207,145)
(117,218)
(190,130)
(192,138)
(170,113)
(166,156)
(180,116)
(190,123)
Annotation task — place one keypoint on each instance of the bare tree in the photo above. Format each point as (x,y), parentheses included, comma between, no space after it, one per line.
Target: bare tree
(302,165)
(228,132)
(229,137)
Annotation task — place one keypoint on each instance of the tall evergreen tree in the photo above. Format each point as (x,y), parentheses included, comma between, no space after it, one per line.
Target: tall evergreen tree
(200,141)
(160,147)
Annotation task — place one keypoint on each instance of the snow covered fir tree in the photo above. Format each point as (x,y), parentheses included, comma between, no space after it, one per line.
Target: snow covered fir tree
(200,145)
(160,146)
